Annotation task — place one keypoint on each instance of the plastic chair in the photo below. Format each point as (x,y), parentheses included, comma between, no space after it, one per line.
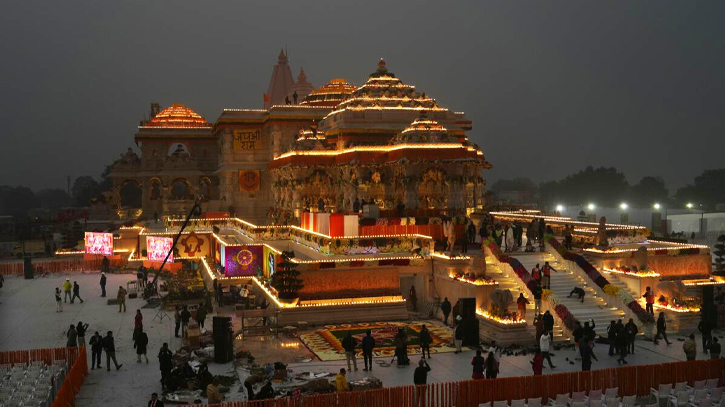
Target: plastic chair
(594,395)
(561,400)
(518,403)
(613,402)
(534,402)
(578,404)
(716,394)
(682,399)
(486,404)
(699,384)
(698,395)
(595,403)
(662,393)
(501,403)
(712,383)
(628,401)
(612,392)
(702,403)
(578,396)
(682,386)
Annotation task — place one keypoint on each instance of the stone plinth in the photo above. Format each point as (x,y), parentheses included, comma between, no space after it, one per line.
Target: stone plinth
(317,316)
(505,334)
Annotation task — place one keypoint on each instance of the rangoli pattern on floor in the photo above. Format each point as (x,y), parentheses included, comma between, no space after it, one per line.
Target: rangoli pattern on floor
(326,343)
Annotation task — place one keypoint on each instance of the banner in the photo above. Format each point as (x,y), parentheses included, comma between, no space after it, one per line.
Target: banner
(243,261)
(194,245)
(249,180)
(248,139)
(270,262)
(158,247)
(99,243)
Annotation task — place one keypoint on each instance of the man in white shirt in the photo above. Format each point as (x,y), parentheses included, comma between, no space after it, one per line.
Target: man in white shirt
(545,346)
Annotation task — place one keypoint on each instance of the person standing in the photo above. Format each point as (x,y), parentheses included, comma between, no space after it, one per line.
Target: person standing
(586,353)
(96,343)
(631,331)
(661,329)
(109,347)
(538,292)
(185,318)
(106,264)
(177,321)
(58,300)
(545,347)
(213,393)
(714,349)
(413,298)
(478,362)
(67,286)
(81,332)
(612,337)
(458,336)
(121,298)
(349,344)
(137,323)
(705,329)
(538,327)
(492,366)
(140,343)
(401,347)
(536,273)
(567,237)
(72,336)
(341,382)
(103,284)
(537,365)
(548,322)
(250,390)
(471,232)
(201,315)
(690,347)
(521,303)
(420,375)
(425,341)
(165,363)
(622,343)
(368,344)
(140,279)
(446,309)
(155,402)
(546,270)
(464,244)
(649,297)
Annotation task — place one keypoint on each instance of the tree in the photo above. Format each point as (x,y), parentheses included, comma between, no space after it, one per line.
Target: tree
(53,198)
(84,189)
(602,186)
(131,195)
(720,253)
(648,191)
(286,280)
(708,189)
(516,184)
(16,200)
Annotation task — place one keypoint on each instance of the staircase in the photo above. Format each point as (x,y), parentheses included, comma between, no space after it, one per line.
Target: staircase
(562,282)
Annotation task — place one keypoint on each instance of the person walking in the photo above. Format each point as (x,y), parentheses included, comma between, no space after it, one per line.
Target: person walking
(714,349)
(537,365)
(705,328)
(121,298)
(649,297)
(521,304)
(546,271)
(661,329)
(103,284)
(368,343)
(341,382)
(458,336)
(81,332)
(140,343)
(137,323)
(67,286)
(425,340)
(165,363)
(545,347)
(631,331)
(58,300)
(548,321)
(538,292)
(76,292)
(185,318)
(586,353)
(491,366)
(72,336)
(109,347)
(155,402)
(446,309)
(478,362)
(690,347)
(177,321)
(349,344)
(96,343)
(201,315)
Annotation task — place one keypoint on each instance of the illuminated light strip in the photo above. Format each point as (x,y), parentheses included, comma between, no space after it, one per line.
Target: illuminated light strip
(220,239)
(476,282)
(681,245)
(175,233)
(131,255)
(566,220)
(411,257)
(484,314)
(632,273)
(269,293)
(447,257)
(378,148)
(131,227)
(678,310)
(649,249)
(698,283)
(67,252)
(352,301)
(212,275)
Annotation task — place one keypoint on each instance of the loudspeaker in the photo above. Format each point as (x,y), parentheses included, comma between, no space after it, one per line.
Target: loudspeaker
(223,347)
(708,295)
(470,333)
(28,268)
(468,308)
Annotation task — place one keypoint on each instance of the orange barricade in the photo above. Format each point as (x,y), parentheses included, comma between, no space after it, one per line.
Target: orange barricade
(57,266)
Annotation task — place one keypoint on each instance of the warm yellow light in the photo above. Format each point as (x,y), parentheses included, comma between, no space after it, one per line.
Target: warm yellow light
(689,205)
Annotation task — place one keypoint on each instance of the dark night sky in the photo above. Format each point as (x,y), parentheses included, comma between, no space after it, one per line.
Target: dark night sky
(551,86)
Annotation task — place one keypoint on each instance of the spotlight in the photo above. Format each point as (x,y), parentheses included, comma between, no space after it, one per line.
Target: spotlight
(623,206)
(559,208)
(591,206)
(657,206)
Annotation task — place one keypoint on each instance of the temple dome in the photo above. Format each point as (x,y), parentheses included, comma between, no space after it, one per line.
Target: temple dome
(301,87)
(330,94)
(177,115)
(424,131)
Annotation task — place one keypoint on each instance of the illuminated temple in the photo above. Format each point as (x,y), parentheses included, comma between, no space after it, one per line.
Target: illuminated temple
(383,142)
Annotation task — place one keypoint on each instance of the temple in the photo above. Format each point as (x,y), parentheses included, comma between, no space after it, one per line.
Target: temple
(383,142)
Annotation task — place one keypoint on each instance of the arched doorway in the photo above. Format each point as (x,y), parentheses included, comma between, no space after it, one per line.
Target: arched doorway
(180,189)
(130,194)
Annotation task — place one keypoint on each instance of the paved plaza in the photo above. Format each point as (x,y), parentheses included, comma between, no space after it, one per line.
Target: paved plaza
(29,320)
